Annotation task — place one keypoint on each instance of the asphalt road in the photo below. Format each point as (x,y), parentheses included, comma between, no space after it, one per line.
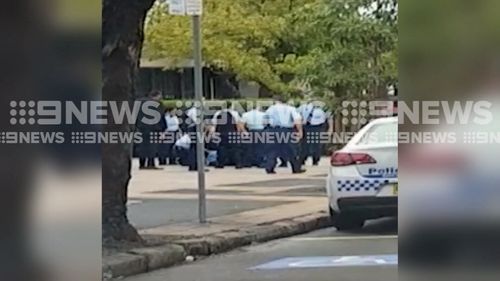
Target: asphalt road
(368,254)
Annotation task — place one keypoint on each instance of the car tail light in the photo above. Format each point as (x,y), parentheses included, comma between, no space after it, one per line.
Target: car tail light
(346,159)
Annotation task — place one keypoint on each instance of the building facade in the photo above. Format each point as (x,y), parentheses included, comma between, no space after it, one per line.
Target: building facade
(176,81)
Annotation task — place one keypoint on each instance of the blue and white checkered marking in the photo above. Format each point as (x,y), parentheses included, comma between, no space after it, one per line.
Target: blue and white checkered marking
(361,184)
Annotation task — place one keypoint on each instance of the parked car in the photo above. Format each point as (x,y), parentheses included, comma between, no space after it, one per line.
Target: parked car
(362,182)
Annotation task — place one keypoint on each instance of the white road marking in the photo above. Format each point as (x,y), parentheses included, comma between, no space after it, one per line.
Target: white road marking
(338,238)
(330,261)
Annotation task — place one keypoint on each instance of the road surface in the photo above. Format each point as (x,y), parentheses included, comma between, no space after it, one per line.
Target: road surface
(325,255)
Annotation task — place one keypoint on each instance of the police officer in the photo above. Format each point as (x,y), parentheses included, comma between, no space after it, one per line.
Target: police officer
(192,117)
(190,128)
(172,131)
(228,125)
(282,119)
(315,123)
(254,150)
(147,150)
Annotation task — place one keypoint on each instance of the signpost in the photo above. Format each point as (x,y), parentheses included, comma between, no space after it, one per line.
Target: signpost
(194,8)
(177,7)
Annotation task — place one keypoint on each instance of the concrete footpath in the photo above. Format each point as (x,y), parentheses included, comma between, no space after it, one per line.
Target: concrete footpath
(244,206)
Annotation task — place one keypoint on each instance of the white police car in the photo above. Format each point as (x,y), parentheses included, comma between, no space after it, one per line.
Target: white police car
(363,178)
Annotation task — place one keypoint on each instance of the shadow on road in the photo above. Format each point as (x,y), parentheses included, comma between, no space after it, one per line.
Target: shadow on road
(386,226)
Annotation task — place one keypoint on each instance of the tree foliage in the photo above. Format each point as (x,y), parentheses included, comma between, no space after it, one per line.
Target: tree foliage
(341,46)
(352,48)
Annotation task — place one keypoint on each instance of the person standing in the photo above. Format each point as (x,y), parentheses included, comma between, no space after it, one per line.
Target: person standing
(167,155)
(315,123)
(190,128)
(147,150)
(253,120)
(283,121)
(227,124)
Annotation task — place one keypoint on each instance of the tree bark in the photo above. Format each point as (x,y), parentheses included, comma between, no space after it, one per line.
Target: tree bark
(122,38)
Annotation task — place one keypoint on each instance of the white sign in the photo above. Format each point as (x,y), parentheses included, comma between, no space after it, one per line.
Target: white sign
(177,7)
(194,7)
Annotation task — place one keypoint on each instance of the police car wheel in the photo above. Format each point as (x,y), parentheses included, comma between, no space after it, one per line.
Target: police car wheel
(346,221)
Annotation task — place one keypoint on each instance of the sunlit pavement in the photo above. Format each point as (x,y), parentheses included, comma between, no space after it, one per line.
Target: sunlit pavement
(170,196)
(368,254)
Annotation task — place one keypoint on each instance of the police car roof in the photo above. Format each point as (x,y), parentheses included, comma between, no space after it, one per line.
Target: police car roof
(384,120)
(353,142)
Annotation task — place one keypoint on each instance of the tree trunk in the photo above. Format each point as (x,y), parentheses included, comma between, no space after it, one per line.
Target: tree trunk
(122,37)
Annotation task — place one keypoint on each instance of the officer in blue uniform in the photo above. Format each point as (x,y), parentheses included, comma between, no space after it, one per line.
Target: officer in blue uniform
(254,150)
(227,124)
(315,123)
(190,128)
(148,150)
(166,153)
(283,120)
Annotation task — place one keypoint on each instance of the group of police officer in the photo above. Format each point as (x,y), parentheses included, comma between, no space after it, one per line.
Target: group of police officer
(255,138)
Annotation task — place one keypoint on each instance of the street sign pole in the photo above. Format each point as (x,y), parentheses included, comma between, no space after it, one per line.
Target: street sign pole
(194,8)
(200,147)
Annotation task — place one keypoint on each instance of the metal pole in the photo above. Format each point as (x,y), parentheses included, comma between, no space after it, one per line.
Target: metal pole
(212,88)
(200,147)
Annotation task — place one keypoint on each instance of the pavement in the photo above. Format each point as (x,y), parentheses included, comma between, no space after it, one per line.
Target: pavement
(244,207)
(165,202)
(329,255)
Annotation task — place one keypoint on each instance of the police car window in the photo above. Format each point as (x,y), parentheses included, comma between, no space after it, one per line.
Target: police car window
(381,133)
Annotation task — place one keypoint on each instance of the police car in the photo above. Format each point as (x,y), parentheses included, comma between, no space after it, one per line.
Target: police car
(363,178)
